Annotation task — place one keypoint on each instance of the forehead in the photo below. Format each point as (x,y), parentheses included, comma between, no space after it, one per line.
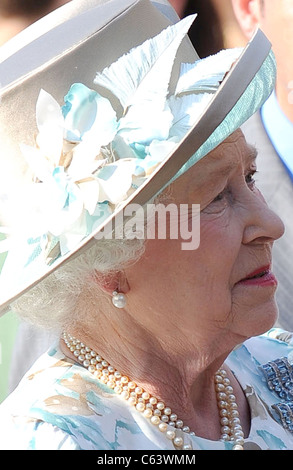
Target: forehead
(234,151)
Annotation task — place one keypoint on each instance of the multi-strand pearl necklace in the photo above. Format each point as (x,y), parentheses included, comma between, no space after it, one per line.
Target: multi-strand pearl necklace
(154,409)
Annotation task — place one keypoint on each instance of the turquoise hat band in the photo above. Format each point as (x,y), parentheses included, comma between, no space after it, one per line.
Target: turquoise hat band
(254,96)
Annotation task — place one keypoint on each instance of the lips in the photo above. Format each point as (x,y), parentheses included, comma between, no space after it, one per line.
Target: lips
(260,277)
(258,273)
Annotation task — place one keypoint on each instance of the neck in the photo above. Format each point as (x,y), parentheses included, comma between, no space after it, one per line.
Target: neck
(186,386)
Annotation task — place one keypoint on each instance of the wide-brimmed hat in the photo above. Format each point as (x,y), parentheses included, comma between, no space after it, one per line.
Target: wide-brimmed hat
(105,103)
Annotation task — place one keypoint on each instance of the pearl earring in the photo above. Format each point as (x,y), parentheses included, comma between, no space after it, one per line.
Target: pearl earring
(119,299)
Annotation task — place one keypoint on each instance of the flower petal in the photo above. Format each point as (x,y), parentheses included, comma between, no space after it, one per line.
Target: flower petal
(48,111)
(205,75)
(86,111)
(50,123)
(90,194)
(187,109)
(50,142)
(115,180)
(142,125)
(85,160)
(132,77)
(71,237)
(39,165)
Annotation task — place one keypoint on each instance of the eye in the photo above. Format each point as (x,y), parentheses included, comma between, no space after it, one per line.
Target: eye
(219,203)
(220,197)
(250,180)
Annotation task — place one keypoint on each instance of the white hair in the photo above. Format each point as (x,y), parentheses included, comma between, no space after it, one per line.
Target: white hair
(51,304)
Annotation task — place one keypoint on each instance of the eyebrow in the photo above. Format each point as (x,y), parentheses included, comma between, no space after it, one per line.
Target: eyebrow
(253,153)
(224,170)
(250,157)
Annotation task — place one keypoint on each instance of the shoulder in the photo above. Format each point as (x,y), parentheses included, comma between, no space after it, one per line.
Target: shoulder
(25,433)
(273,342)
(264,358)
(41,412)
(263,367)
(267,347)
(66,403)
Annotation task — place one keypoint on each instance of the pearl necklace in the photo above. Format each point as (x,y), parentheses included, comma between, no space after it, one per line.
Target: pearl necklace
(154,409)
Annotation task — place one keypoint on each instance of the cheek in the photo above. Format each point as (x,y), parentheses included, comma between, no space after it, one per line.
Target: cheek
(190,277)
(220,245)
(277,25)
(211,275)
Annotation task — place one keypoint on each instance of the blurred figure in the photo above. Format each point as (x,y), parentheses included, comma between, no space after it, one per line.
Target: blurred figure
(271,131)
(215,28)
(179,6)
(15,15)
(231,31)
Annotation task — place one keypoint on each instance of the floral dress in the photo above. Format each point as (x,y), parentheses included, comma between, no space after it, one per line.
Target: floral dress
(60,405)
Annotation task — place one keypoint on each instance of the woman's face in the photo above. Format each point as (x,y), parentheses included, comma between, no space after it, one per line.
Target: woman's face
(212,290)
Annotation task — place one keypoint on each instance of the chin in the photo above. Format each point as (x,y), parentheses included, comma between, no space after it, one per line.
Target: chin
(259,319)
(267,320)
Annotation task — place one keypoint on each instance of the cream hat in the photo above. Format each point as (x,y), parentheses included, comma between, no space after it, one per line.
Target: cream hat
(103,104)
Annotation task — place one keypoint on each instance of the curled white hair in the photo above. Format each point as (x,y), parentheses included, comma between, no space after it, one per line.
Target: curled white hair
(52,302)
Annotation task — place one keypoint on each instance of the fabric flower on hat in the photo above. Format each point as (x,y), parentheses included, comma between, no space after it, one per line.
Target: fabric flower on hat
(63,171)
(89,157)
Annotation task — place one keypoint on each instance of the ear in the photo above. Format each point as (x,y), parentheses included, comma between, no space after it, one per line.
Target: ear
(116,281)
(248,14)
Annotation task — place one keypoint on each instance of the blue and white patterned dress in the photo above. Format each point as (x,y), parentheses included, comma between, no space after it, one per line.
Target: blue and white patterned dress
(60,405)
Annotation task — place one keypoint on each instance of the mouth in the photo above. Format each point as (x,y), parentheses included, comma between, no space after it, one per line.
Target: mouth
(260,277)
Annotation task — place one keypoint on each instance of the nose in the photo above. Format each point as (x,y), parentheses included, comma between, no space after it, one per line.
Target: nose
(263,224)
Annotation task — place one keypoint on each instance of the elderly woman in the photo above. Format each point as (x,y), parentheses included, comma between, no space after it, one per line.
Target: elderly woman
(160,345)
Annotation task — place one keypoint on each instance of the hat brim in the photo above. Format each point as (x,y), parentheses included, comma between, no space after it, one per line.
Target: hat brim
(242,92)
